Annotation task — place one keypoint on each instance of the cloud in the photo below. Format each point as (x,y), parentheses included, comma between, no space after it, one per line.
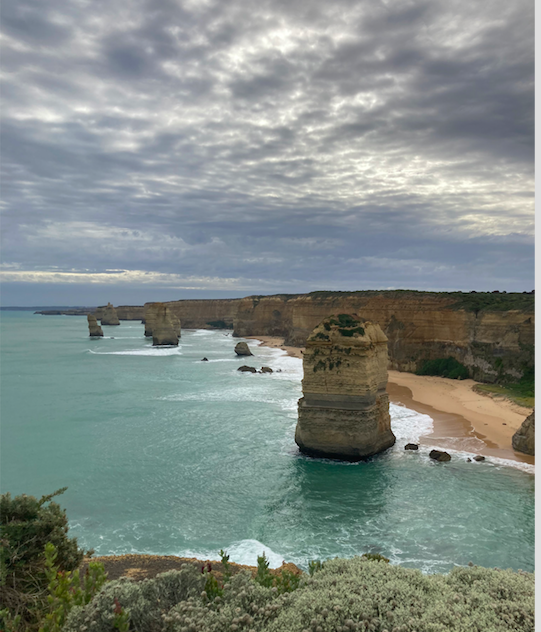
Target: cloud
(249,140)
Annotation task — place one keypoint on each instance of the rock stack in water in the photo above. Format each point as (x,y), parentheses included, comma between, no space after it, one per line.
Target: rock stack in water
(165,326)
(109,316)
(94,329)
(344,413)
(524,438)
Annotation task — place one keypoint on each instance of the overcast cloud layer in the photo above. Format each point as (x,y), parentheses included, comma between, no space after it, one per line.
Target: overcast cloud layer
(261,147)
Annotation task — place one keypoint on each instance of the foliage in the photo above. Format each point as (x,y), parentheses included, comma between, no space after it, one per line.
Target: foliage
(349,332)
(340,595)
(27,525)
(444,367)
(224,558)
(376,557)
(263,576)
(314,566)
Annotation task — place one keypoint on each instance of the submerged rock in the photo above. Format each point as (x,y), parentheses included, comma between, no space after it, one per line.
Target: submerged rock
(204,359)
(411,446)
(478,457)
(266,369)
(94,329)
(166,327)
(247,369)
(344,413)
(524,438)
(109,316)
(242,349)
(438,455)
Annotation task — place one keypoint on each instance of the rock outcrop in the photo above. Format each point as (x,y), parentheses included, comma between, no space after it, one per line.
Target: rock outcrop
(199,314)
(247,369)
(242,349)
(524,438)
(166,327)
(344,411)
(109,315)
(438,455)
(94,329)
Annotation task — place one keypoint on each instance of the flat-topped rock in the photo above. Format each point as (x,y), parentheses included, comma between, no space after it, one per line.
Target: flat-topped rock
(524,438)
(95,331)
(344,413)
(109,315)
(165,327)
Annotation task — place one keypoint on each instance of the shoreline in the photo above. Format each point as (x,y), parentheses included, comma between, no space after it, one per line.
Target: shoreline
(463,419)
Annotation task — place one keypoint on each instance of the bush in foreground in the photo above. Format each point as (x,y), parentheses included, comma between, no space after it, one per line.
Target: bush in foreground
(358,594)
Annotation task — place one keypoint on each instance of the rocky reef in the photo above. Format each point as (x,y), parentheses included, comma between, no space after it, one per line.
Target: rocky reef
(524,438)
(109,315)
(93,328)
(165,326)
(344,411)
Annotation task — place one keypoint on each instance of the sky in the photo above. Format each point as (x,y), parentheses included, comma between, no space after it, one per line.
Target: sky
(166,149)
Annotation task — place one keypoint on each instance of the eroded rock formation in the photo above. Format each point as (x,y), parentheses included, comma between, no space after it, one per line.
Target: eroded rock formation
(344,412)
(93,328)
(166,326)
(242,349)
(109,315)
(524,438)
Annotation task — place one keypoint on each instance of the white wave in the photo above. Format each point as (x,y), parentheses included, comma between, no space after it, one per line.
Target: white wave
(247,551)
(409,425)
(152,351)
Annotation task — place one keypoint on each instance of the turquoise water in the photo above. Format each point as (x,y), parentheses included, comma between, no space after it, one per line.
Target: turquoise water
(165,454)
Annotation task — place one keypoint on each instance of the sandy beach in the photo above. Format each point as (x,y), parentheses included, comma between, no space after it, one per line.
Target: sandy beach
(463,419)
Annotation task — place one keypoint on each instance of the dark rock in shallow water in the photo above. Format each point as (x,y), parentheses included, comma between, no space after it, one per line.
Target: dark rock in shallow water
(204,360)
(440,456)
(266,369)
(478,457)
(242,349)
(247,369)
(468,460)
(411,446)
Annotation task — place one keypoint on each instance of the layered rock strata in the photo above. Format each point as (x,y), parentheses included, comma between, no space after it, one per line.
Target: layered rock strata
(124,312)
(109,315)
(166,327)
(95,331)
(344,411)
(198,314)
(524,438)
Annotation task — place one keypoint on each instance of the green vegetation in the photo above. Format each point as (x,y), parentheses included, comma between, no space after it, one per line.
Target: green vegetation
(321,336)
(444,367)
(339,596)
(365,593)
(522,392)
(38,577)
(218,324)
(349,332)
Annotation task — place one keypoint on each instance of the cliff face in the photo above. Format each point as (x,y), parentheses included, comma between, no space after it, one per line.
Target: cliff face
(494,345)
(344,411)
(124,312)
(524,438)
(198,314)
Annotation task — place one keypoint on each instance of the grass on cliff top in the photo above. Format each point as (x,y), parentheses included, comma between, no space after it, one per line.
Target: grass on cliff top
(469,301)
(505,391)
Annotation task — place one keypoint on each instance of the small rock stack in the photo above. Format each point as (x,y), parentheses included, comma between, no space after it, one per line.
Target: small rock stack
(524,438)
(109,316)
(165,326)
(94,329)
(344,413)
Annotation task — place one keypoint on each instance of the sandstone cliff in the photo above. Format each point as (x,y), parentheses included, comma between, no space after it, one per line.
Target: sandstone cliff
(109,315)
(166,326)
(524,438)
(93,328)
(495,344)
(344,411)
(124,312)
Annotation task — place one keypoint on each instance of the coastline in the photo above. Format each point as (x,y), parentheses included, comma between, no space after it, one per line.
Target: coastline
(463,419)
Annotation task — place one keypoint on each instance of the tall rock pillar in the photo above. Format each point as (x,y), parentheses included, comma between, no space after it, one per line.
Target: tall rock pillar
(93,328)
(109,316)
(344,413)
(165,326)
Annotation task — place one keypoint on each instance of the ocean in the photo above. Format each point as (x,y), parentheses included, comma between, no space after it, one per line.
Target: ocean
(165,454)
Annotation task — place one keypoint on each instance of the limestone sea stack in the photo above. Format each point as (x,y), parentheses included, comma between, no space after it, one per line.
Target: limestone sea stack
(109,316)
(166,327)
(242,349)
(344,413)
(524,438)
(93,328)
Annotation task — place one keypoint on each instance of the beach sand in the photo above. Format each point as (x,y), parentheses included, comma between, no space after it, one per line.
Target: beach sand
(463,419)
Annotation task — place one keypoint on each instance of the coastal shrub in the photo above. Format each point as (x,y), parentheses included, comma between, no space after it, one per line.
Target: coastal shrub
(340,596)
(444,367)
(27,525)
(349,332)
